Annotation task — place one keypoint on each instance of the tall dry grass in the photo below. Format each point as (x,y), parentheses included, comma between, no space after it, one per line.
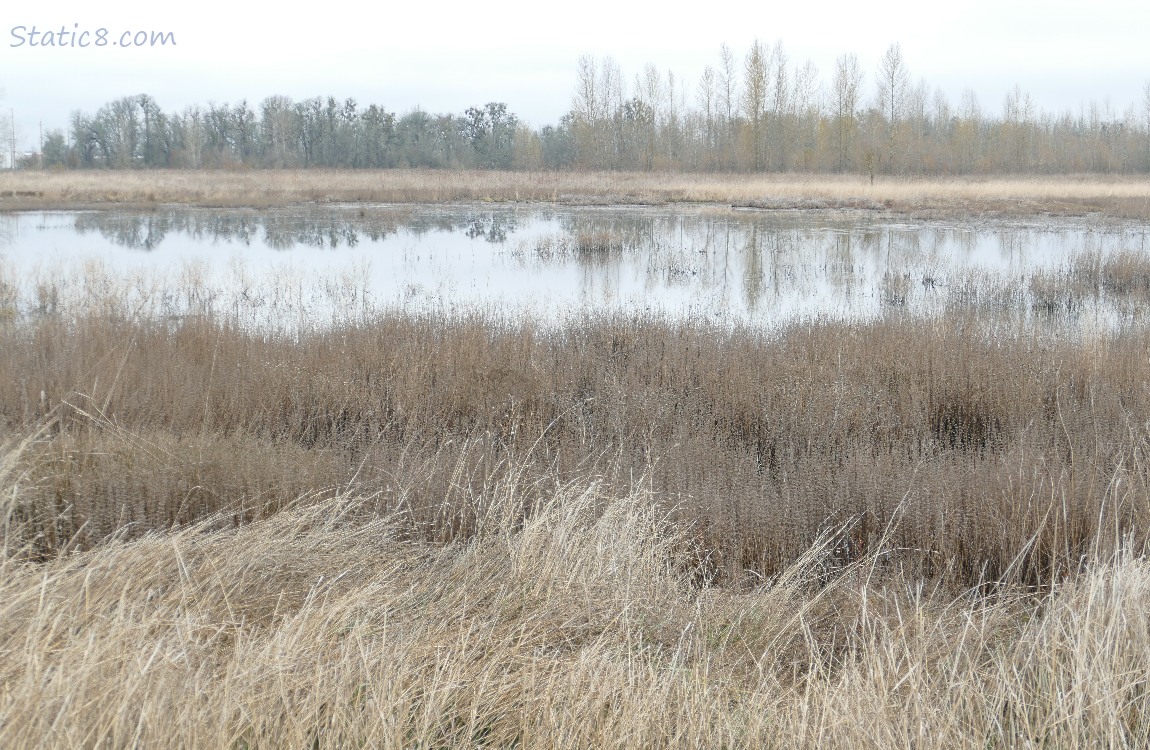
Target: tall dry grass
(582,624)
(1063,195)
(459,529)
(981,445)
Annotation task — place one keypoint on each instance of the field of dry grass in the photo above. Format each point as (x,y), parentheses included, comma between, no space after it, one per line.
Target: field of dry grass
(585,626)
(1056,195)
(455,530)
(982,449)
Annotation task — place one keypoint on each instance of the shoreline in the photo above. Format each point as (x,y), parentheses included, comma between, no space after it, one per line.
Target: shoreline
(1120,197)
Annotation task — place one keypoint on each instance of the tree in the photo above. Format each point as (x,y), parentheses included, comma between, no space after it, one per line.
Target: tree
(1017,117)
(491,132)
(756,77)
(967,131)
(116,129)
(673,123)
(707,99)
(558,144)
(649,105)
(7,137)
(55,150)
(728,88)
(598,99)
(190,137)
(83,140)
(279,128)
(892,87)
(349,145)
(1146,120)
(846,87)
(941,131)
(379,137)
(246,131)
(806,108)
(780,106)
(527,152)
(155,148)
(415,134)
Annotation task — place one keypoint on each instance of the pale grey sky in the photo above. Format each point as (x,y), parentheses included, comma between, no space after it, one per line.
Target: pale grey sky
(448,55)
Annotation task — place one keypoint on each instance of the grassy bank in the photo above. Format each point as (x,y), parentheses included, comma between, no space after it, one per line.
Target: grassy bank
(1056,195)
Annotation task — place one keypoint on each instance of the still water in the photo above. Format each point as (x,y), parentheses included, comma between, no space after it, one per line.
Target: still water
(715,263)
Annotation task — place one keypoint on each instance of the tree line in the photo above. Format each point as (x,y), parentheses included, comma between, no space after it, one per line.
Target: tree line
(754,112)
(134,132)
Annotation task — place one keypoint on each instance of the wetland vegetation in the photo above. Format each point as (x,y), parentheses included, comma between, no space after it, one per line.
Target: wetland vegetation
(784,410)
(920,197)
(438,527)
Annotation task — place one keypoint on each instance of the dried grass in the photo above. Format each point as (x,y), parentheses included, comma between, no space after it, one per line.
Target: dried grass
(448,530)
(1064,195)
(988,434)
(579,625)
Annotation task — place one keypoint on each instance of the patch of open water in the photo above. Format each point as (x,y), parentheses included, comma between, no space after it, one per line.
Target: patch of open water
(759,268)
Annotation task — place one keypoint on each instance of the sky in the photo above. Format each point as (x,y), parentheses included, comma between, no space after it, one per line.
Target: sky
(447,55)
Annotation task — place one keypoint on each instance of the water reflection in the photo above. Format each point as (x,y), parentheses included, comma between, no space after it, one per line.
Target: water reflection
(767,268)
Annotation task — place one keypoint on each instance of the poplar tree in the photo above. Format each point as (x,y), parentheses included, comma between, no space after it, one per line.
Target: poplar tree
(756,77)
(892,87)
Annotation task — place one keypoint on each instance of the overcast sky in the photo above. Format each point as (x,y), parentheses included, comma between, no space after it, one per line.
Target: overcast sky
(446,55)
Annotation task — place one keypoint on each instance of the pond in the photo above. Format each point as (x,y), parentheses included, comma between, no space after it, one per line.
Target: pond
(761,268)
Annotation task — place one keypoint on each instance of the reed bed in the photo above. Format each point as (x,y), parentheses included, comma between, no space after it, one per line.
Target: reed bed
(1062,195)
(981,444)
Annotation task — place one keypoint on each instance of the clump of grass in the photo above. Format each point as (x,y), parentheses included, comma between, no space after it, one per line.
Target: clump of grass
(597,244)
(963,421)
(1127,273)
(588,247)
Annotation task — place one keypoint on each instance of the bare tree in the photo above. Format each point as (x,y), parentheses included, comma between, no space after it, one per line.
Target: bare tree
(280,131)
(671,122)
(892,88)
(592,108)
(611,87)
(728,87)
(7,141)
(804,92)
(940,107)
(707,98)
(846,88)
(649,111)
(1017,107)
(7,137)
(586,103)
(1017,119)
(805,107)
(781,110)
(967,131)
(1146,120)
(970,109)
(756,76)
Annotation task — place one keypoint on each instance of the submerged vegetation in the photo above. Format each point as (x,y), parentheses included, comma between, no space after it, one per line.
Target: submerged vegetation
(441,529)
